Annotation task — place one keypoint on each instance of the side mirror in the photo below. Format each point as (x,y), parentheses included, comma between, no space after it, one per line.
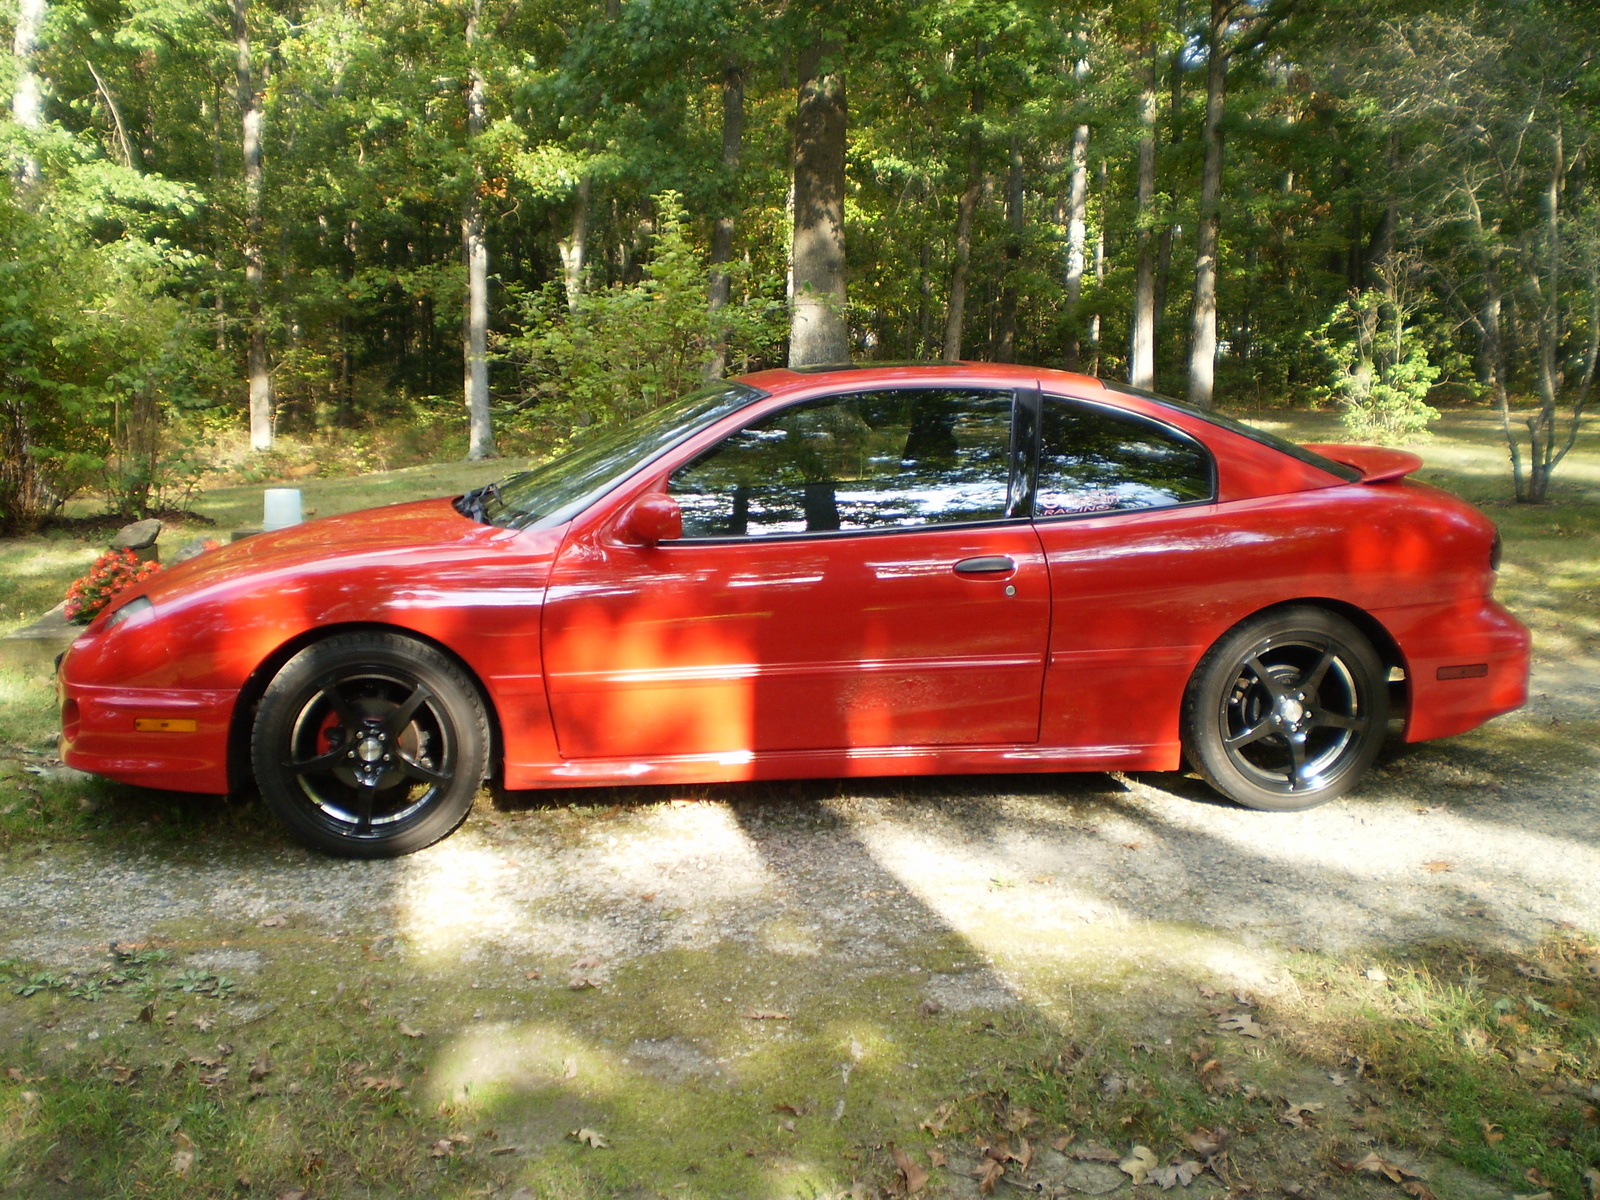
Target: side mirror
(653,517)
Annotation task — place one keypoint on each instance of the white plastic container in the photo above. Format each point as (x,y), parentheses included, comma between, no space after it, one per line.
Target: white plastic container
(280,508)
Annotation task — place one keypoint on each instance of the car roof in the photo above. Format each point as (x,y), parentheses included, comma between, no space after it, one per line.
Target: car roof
(870,374)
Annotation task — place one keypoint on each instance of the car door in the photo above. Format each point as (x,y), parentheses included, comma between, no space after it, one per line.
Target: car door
(855,571)
(1125,510)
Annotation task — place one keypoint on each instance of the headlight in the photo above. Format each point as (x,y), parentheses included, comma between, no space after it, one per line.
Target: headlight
(133,608)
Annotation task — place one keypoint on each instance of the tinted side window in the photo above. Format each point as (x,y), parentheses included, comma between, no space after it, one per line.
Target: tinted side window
(874,460)
(1091,460)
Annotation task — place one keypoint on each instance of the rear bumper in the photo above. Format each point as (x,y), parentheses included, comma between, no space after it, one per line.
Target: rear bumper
(182,747)
(1479,648)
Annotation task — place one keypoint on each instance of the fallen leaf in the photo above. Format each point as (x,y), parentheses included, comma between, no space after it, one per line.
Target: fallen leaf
(936,1158)
(275,920)
(1376,974)
(915,1177)
(505,1150)
(1540,1060)
(182,1155)
(1178,1173)
(1338,1078)
(295,1194)
(1018,1119)
(1491,1132)
(582,983)
(204,1024)
(800,1110)
(939,1119)
(1206,1142)
(1391,1171)
(407,1031)
(213,1078)
(1296,1114)
(1592,1178)
(1140,1162)
(766,1014)
(261,1068)
(533,974)
(1023,1157)
(1538,1196)
(569,1068)
(1415,1187)
(590,1138)
(382,1083)
(1242,1023)
(1095,1152)
(1438,864)
(992,1174)
(443,1148)
(586,964)
(147,1014)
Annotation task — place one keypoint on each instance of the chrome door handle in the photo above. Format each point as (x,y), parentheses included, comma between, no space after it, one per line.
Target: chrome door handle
(988,564)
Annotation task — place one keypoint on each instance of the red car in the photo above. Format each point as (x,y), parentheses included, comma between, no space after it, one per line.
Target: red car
(891,570)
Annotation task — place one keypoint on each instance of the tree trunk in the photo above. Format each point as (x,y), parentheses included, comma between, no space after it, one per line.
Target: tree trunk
(1203,342)
(1142,355)
(475,250)
(1005,349)
(1103,173)
(722,230)
(1077,231)
(818,332)
(1169,229)
(261,411)
(27,102)
(966,210)
(574,248)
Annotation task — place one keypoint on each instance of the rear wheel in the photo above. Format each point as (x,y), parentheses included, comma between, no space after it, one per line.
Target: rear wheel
(1287,711)
(370,745)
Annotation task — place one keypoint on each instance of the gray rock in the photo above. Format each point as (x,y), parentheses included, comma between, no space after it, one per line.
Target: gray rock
(139,536)
(190,549)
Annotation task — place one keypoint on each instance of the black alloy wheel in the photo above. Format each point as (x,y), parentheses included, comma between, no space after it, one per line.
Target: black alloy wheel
(1288,710)
(370,745)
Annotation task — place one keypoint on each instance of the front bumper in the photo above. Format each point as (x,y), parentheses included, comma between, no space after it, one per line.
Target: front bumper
(175,738)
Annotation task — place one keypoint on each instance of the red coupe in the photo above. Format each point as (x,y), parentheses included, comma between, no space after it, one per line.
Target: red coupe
(891,570)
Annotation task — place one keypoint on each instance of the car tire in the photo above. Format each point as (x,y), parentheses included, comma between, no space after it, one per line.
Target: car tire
(370,745)
(1287,710)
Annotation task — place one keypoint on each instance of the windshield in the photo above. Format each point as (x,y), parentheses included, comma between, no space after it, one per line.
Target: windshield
(563,487)
(1292,449)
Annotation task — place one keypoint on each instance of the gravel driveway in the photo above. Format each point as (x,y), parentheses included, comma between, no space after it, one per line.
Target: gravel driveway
(1492,837)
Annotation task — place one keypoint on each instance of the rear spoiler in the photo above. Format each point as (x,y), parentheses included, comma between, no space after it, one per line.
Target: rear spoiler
(1377,464)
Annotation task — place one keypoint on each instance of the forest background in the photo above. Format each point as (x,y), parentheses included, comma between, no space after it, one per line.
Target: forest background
(435,228)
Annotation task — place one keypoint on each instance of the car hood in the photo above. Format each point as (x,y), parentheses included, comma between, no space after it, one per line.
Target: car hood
(424,527)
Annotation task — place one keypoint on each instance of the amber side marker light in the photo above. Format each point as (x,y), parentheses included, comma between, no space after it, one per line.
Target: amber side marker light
(174,724)
(1469,671)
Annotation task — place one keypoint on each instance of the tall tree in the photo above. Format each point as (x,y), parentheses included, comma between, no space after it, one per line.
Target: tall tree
(1203,339)
(818,332)
(722,230)
(249,98)
(1142,351)
(475,252)
(27,101)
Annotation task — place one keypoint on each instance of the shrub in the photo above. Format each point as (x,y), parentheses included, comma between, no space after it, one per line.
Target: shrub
(111,574)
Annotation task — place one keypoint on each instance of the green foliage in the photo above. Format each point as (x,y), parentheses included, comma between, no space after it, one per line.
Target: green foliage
(1377,372)
(629,347)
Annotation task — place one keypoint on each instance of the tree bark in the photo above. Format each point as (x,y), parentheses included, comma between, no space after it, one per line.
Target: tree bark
(475,250)
(966,210)
(722,231)
(27,102)
(1005,348)
(1203,341)
(1142,351)
(818,332)
(574,249)
(261,407)
(1077,240)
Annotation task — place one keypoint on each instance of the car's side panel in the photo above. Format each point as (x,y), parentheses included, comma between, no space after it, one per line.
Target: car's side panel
(479,599)
(1139,598)
(846,641)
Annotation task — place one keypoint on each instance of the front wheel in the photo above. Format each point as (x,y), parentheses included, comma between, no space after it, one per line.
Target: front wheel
(370,745)
(1287,711)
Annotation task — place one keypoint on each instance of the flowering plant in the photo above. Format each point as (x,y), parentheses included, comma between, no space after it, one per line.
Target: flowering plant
(112,572)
